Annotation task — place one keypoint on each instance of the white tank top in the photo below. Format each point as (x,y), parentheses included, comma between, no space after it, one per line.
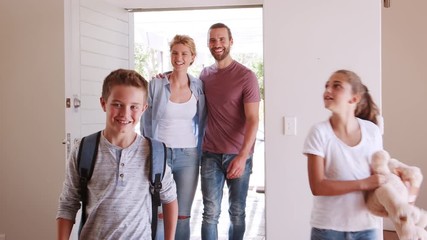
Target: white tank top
(176,125)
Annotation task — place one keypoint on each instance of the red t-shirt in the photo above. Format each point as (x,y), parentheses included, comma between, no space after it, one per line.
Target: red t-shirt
(226,91)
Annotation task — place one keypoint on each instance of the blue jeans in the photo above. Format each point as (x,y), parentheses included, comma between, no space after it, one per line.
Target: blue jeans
(184,163)
(325,234)
(213,176)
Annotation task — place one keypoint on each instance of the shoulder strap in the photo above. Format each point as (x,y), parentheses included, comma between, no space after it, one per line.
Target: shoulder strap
(86,159)
(157,158)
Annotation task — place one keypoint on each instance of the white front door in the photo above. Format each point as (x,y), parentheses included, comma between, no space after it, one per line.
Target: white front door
(98,40)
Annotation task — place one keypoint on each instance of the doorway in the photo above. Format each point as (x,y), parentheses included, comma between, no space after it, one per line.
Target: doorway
(153,30)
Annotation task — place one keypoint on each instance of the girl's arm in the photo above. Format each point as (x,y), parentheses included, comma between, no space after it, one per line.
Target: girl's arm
(321,186)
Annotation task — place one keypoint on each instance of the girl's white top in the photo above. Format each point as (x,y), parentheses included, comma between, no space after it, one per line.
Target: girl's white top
(345,212)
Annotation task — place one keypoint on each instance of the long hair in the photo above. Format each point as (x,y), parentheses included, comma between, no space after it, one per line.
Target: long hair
(366,108)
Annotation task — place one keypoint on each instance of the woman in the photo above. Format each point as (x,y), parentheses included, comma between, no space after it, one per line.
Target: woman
(339,152)
(176,116)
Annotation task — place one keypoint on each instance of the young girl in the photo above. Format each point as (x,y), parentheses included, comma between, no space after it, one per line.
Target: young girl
(339,152)
(176,116)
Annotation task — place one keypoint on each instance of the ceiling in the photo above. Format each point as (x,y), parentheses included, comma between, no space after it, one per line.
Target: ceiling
(148,5)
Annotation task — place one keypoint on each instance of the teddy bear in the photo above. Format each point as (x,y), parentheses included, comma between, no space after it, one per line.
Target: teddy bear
(394,200)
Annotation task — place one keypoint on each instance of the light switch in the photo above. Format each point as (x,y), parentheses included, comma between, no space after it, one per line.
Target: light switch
(290,126)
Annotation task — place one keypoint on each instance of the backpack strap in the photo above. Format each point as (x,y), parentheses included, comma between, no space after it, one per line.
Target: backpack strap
(86,159)
(157,158)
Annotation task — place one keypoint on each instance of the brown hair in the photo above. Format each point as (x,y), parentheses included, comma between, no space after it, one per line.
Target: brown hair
(221,25)
(366,108)
(123,77)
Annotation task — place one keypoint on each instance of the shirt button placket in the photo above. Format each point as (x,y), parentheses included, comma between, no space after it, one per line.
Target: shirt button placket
(122,165)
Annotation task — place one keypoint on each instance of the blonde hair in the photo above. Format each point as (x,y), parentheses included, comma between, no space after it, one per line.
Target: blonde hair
(186,41)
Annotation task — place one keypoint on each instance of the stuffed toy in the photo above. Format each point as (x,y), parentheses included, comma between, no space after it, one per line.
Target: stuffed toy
(394,200)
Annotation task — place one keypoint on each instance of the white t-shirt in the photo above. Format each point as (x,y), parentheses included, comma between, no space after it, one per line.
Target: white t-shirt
(176,125)
(345,212)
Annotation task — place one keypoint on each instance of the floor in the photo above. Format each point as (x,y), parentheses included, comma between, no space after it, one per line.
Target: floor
(390,235)
(255,205)
(255,220)
(255,216)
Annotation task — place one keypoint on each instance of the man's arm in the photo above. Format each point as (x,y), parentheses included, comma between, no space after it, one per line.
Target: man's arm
(237,166)
(170,218)
(64,227)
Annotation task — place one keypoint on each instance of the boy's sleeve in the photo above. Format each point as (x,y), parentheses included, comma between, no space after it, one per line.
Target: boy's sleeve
(168,191)
(69,200)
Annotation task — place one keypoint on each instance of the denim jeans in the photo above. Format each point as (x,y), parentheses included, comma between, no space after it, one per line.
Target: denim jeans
(184,163)
(325,234)
(213,176)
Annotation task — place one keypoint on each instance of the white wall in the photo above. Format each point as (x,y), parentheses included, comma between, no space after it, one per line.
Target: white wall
(305,40)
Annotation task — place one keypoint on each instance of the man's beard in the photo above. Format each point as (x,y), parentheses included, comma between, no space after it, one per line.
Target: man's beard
(222,56)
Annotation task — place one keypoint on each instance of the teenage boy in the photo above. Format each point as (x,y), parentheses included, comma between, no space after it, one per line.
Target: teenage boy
(119,200)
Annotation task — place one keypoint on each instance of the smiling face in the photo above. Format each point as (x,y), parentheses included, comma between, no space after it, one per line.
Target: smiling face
(338,95)
(219,43)
(123,107)
(181,57)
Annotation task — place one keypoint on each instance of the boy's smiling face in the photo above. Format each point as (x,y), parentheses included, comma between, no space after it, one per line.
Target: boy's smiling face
(124,107)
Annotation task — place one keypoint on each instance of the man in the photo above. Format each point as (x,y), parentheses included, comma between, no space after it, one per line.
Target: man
(232,97)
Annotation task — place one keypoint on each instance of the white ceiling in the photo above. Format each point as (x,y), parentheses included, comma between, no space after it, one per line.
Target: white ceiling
(169,4)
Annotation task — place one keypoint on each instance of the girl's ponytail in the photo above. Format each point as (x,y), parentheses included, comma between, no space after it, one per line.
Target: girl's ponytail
(366,108)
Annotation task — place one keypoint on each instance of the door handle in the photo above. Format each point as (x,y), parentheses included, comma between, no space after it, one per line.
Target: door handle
(76,101)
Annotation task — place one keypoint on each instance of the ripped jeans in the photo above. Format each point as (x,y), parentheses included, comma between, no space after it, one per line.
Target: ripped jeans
(184,163)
